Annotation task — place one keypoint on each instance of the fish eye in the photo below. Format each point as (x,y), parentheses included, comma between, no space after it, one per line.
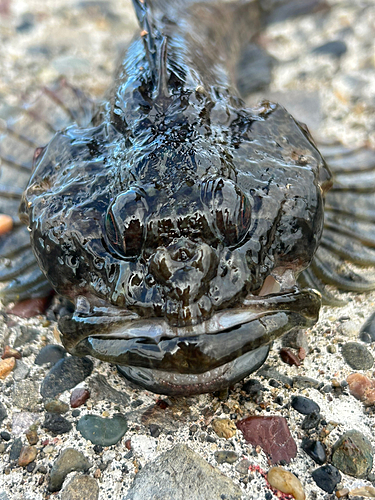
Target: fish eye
(230,208)
(124,223)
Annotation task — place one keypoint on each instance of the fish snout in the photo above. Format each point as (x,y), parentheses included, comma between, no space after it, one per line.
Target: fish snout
(184,268)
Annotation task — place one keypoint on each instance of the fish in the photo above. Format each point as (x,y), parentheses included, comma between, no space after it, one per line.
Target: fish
(185,230)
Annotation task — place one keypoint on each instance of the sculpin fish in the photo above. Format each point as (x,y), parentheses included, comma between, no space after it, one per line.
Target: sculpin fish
(185,229)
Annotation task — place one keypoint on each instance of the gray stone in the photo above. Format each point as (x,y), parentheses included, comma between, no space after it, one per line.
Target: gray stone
(81,487)
(3,412)
(26,395)
(65,375)
(103,431)
(101,390)
(357,356)
(51,354)
(21,371)
(3,495)
(69,460)
(178,474)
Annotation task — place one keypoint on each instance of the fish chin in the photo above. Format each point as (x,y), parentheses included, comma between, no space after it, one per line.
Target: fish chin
(190,359)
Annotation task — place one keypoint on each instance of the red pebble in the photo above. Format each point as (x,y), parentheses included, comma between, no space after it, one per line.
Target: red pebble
(163,405)
(272,434)
(9,352)
(79,397)
(289,357)
(30,307)
(362,388)
(128,444)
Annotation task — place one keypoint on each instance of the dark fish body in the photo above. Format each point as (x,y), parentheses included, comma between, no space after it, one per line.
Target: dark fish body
(178,220)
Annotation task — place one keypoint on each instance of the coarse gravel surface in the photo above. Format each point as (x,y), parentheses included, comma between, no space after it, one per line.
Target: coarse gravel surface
(335,96)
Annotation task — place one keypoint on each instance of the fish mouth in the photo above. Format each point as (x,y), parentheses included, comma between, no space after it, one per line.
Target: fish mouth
(189,359)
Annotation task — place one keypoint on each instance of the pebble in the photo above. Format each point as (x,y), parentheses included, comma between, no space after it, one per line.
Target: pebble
(327,478)
(155,430)
(56,406)
(357,356)
(68,461)
(51,354)
(27,455)
(79,397)
(311,421)
(103,431)
(65,374)
(302,382)
(32,436)
(267,372)
(6,223)
(316,450)
(362,388)
(101,390)
(334,48)
(26,395)
(288,357)
(272,434)
(225,456)
(352,454)
(180,473)
(286,482)
(304,405)
(15,450)
(29,308)
(21,371)
(56,424)
(9,352)
(243,466)
(22,421)
(3,412)
(365,491)
(367,332)
(81,487)
(6,366)
(224,427)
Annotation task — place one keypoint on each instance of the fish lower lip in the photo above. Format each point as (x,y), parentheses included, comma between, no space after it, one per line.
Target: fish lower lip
(228,335)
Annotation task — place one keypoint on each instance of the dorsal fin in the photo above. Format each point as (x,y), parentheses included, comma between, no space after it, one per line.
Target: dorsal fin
(155,45)
(149,34)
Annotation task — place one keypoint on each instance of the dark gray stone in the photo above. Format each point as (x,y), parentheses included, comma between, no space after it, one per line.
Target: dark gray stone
(334,48)
(178,474)
(357,356)
(304,405)
(101,390)
(353,454)
(15,449)
(65,375)
(50,354)
(56,424)
(3,412)
(367,333)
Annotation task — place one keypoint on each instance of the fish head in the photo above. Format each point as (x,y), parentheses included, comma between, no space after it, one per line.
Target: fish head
(180,251)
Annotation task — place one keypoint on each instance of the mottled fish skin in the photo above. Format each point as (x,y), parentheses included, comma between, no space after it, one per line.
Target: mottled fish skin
(178,220)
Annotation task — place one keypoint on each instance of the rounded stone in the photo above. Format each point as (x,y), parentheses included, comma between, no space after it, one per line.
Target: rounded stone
(225,456)
(50,354)
(304,405)
(69,460)
(27,455)
(81,487)
(64,375)
(103,431)
(286,482)
(224,427)
(357,356)
(352,454)
(327,478)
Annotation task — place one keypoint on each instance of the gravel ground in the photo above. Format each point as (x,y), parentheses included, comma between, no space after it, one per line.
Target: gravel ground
(335,96)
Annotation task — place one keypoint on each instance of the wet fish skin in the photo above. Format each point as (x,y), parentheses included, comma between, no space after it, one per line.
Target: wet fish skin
(164,217)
